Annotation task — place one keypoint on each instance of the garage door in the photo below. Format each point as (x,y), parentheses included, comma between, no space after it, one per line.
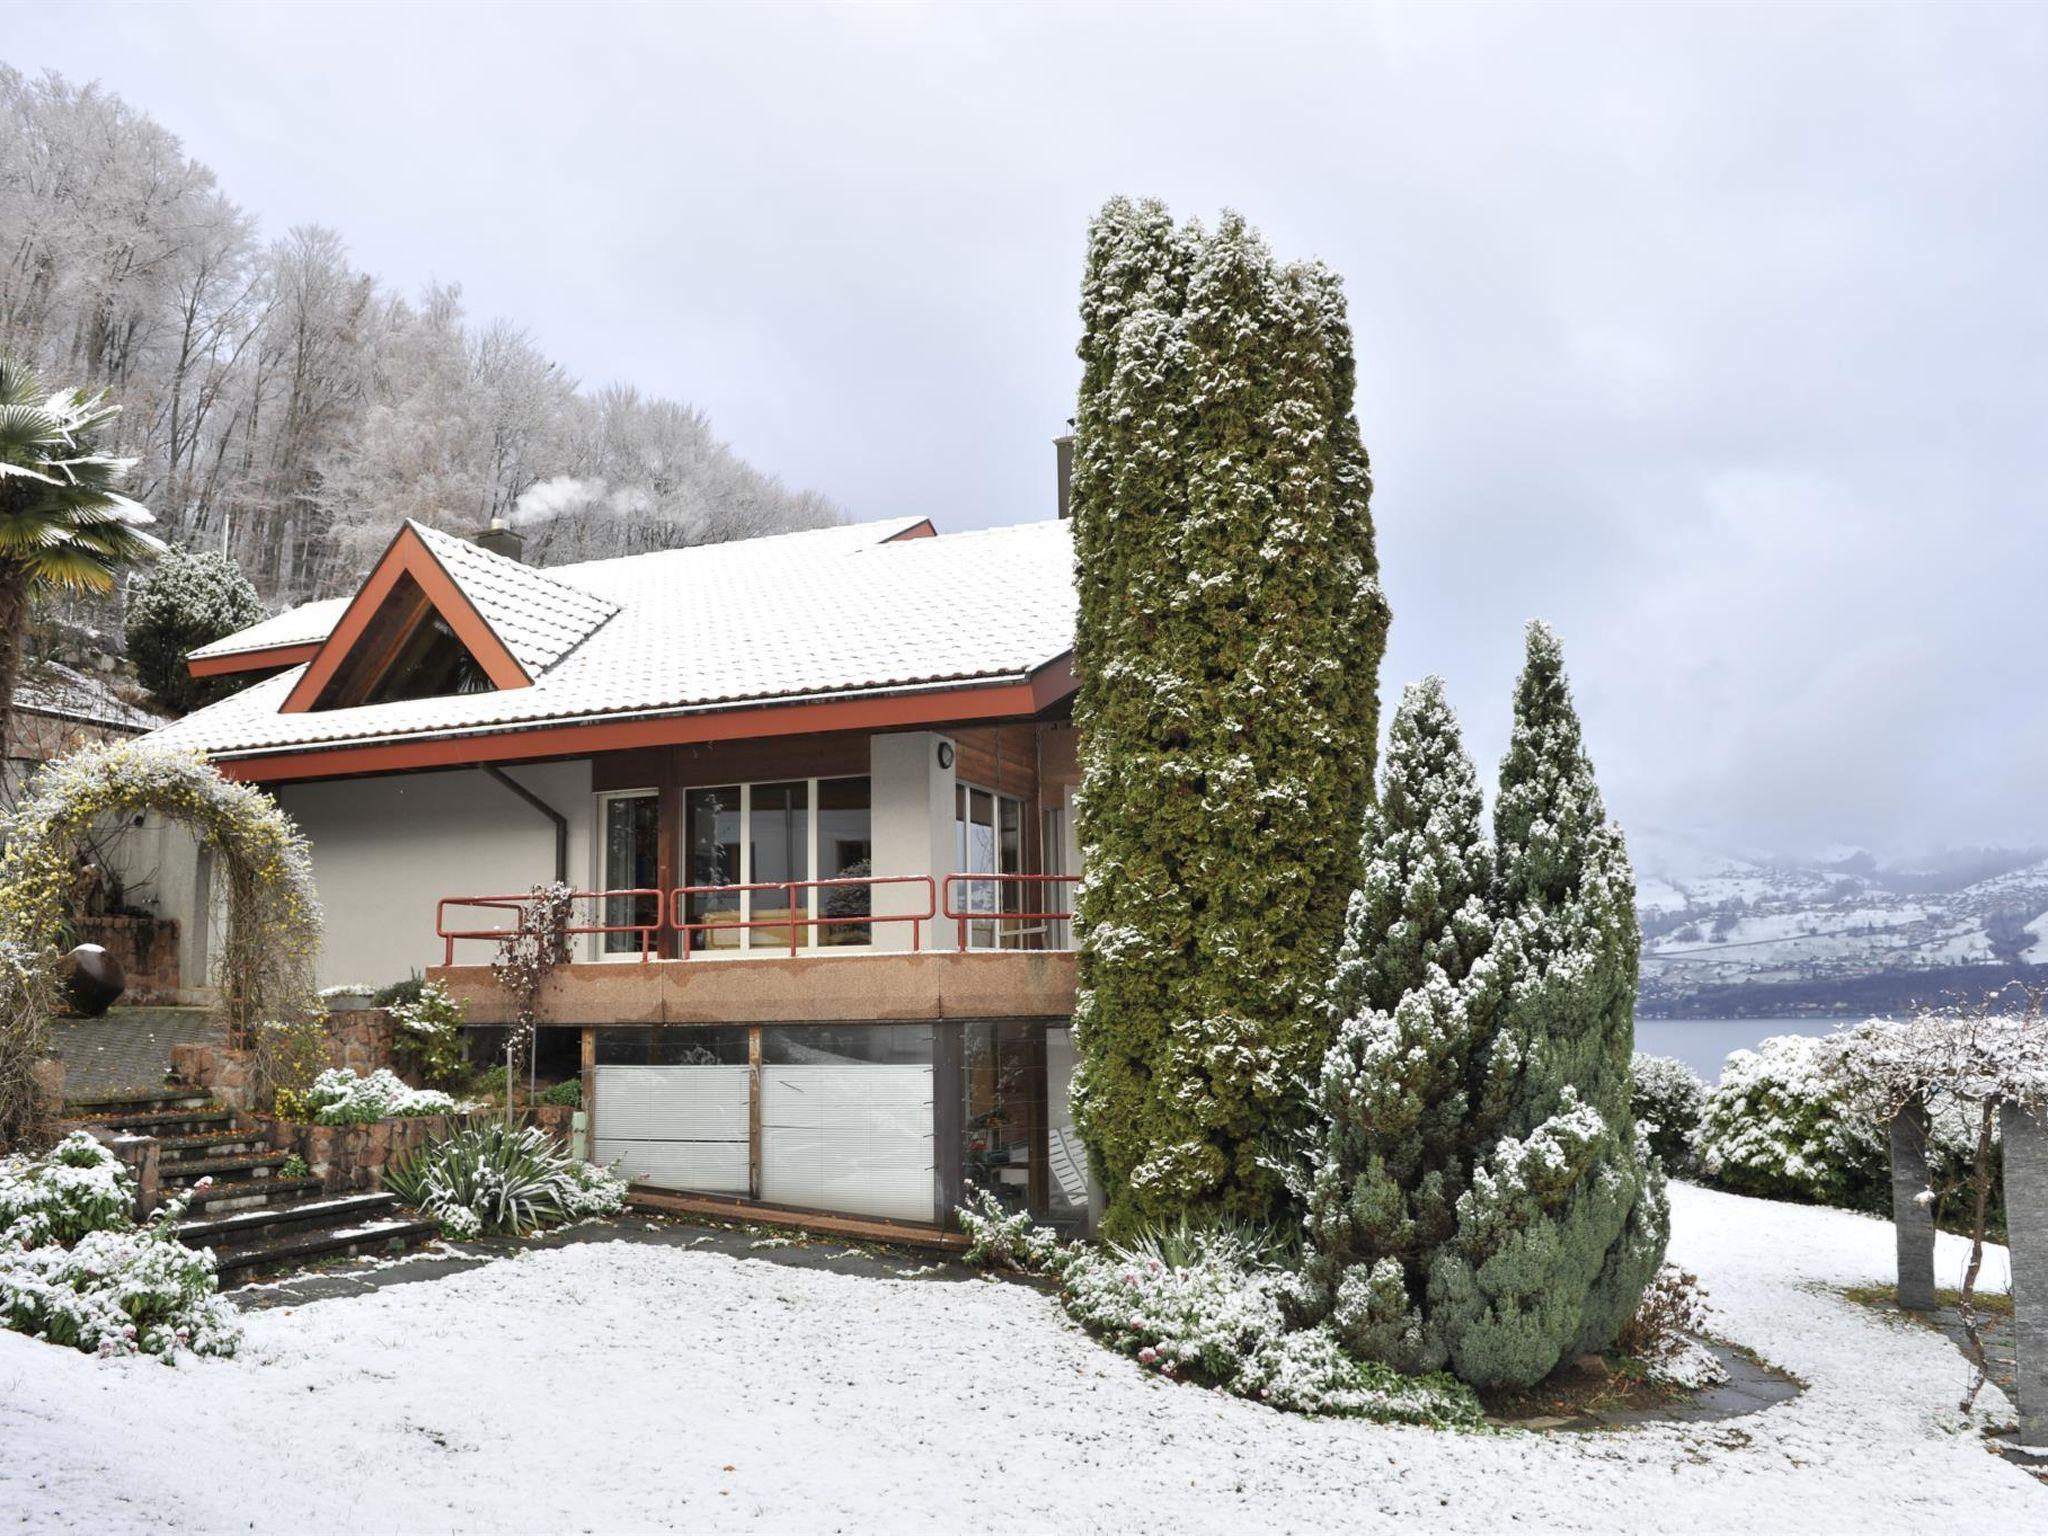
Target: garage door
(852,1138)
(675,1127)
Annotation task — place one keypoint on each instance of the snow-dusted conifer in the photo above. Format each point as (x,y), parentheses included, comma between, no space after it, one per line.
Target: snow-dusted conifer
(1228,644)
(1392,1147)
(1565,1221)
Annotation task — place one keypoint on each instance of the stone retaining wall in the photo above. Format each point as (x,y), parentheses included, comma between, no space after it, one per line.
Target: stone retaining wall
(147,948)
(345,1158)
(357,1038)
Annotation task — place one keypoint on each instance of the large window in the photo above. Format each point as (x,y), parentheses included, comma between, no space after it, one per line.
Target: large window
(788,833)
(632,843)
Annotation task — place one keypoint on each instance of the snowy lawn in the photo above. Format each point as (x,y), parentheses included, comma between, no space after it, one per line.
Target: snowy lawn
(614,1386)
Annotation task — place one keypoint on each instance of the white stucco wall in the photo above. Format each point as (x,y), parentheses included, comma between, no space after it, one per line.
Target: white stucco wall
(912,827)
(387,849)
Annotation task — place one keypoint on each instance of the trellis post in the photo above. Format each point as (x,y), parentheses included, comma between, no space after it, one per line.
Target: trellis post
(1912,1208)
(2026,1219)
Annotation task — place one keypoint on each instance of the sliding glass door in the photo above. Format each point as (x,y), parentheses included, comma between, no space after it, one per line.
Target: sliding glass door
(777,834)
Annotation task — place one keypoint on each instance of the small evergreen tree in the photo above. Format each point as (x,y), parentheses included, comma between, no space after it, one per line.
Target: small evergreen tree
(1393,1152)
(1565,1220)
(1228,643)
(189,600)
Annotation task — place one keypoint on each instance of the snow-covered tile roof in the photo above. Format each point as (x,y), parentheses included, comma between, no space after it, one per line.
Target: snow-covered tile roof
(848,609)
(51,688)
(540,618)
(306,624)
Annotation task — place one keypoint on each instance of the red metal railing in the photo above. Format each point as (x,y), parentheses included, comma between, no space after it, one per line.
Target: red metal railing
(795,916)
(956,898)
(649,931)
(1006,923)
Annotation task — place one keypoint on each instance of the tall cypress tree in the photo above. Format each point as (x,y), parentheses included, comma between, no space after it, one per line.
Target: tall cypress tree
(1565,1221)
(1229,638)
(1393,1149)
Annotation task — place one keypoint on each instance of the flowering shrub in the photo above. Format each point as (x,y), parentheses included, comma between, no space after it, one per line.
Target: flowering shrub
(118,1293)
(1668,1097)
(76,1270)
(428,1030)
(1780,1125)
(80,1187)
(341,1097)
(288,1057)
(1204,1306)
(491,1178)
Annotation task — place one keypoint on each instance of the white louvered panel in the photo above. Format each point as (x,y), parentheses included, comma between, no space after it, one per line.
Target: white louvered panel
(856,1139)
(709,1167)
(672,1103)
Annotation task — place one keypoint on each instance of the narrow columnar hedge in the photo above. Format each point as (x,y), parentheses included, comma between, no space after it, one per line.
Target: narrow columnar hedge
(1228,643)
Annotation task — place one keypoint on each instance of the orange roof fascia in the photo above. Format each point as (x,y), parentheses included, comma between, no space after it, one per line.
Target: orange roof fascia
(889,712)
(407,555)
(269,659)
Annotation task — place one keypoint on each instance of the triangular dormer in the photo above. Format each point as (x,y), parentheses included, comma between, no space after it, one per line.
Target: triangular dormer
(439,616)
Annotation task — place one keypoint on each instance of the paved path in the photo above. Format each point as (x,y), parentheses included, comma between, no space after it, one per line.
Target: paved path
(127,1048)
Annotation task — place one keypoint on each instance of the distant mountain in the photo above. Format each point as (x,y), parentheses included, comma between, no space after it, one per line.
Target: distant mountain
(1843,931)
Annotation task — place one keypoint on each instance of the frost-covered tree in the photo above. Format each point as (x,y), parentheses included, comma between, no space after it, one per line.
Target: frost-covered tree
(1393,1148)
(1228,643)
(186,601)
(1565,1220)
(283,408)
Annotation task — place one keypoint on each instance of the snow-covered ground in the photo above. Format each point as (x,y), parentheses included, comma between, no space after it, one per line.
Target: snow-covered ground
(613,1387)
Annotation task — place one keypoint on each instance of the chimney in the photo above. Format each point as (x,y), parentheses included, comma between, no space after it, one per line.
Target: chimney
(502,540)
(1063,452)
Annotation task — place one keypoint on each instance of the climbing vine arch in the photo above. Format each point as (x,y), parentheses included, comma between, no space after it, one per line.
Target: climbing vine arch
(265,967)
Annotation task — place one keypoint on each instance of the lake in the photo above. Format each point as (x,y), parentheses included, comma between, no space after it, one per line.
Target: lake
(1703,1044)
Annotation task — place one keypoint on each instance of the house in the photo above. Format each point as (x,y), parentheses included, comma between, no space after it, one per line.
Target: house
(815,792)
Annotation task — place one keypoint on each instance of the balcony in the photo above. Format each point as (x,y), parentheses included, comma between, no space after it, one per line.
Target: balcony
(871,949)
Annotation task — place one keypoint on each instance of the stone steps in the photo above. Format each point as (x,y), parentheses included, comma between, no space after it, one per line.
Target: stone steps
(120,1103)
(238,1263)
(177,1151)
(234,1168)
(251,1194)
(267,1222)
(162,1122)
(255,1221)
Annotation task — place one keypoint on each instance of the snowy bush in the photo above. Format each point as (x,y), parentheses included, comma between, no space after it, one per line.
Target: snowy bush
(339,1096)
(1203,1306)
(1668,1097)
(589,1190)
(492,1178)
(1780,1125)
(76,1270)
(428,1031)
(79,1187)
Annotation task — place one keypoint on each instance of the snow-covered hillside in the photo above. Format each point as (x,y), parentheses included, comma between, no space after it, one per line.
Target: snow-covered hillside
(1713,919)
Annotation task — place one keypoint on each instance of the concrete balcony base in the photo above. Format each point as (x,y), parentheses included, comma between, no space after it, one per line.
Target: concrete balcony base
(779,989)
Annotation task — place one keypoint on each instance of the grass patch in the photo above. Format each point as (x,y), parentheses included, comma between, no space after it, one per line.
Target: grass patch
(1885,1298)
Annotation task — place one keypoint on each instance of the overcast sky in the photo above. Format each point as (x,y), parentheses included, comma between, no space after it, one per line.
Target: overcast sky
(1719,338)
